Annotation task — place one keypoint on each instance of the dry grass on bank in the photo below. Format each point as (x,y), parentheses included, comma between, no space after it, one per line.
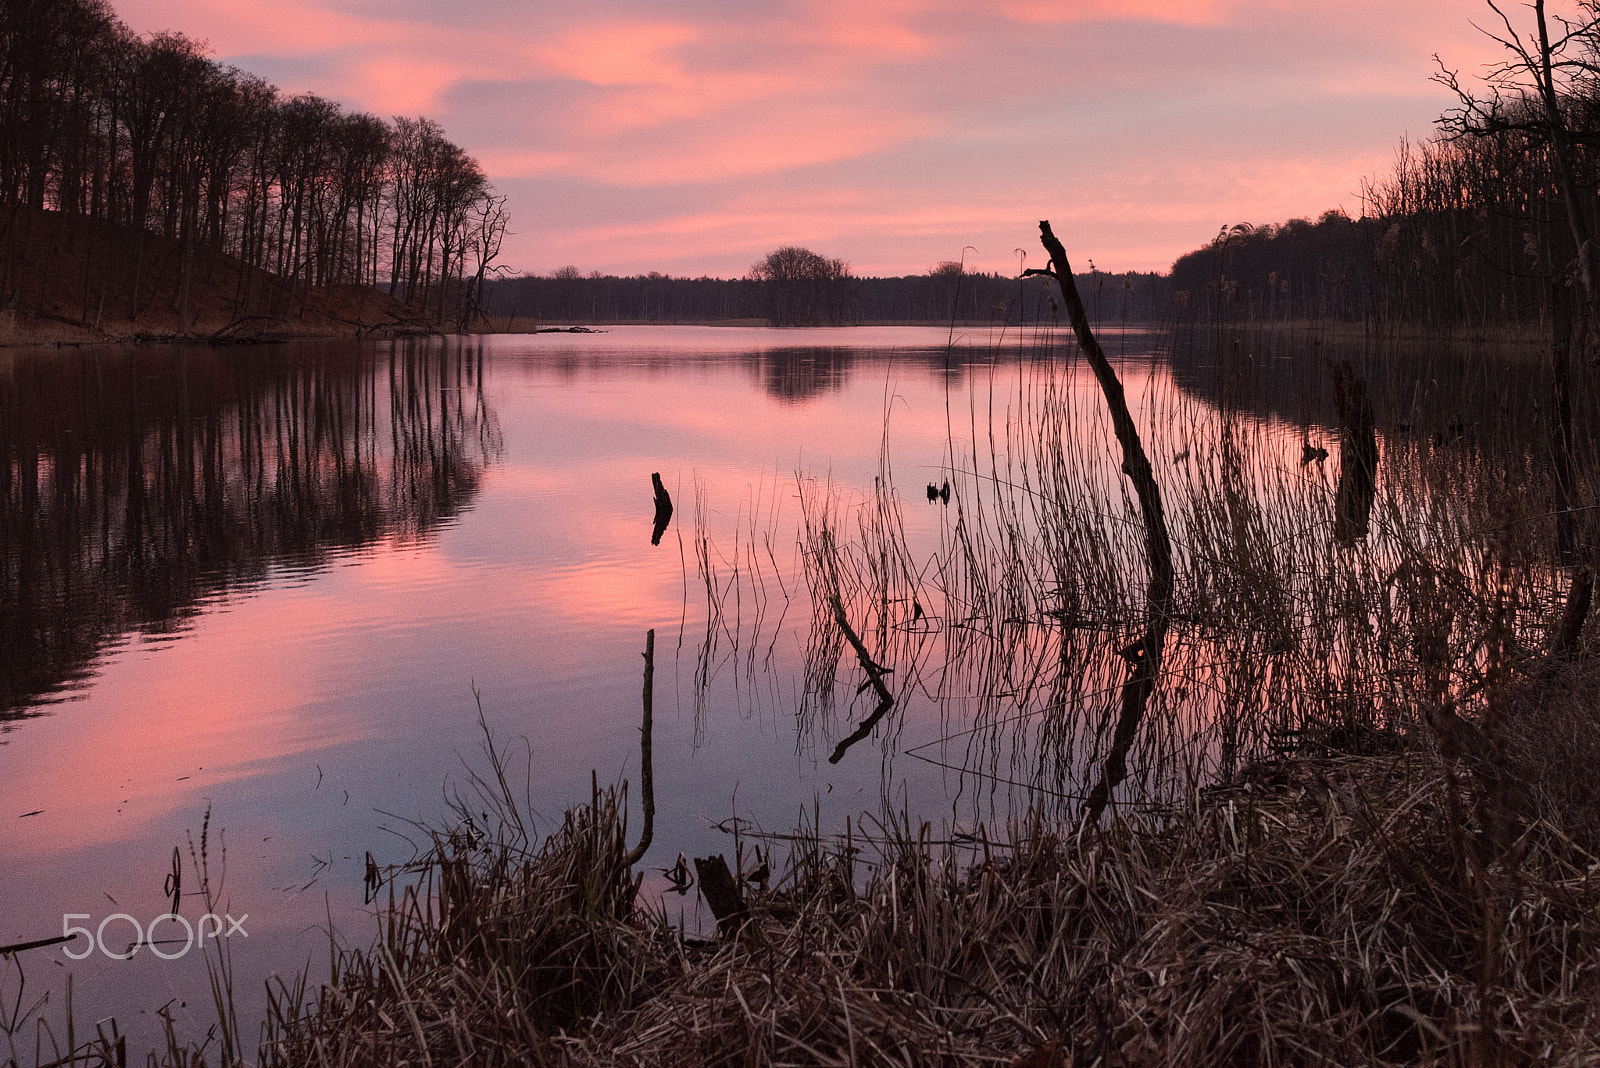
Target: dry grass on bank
(1346,910)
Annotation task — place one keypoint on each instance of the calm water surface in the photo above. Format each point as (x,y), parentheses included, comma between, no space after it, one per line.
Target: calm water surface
(276,584)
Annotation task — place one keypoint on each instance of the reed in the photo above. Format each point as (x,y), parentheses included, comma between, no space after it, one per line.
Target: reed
(1319,913)
(1282,632)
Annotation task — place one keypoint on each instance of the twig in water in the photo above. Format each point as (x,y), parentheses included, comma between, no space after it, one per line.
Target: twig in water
(875,675)
(647,788)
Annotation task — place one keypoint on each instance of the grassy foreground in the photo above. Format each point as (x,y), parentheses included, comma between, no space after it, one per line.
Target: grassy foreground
(1399,908)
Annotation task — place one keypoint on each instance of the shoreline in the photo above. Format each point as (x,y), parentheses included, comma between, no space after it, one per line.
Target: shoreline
(35,332)
(1276,912)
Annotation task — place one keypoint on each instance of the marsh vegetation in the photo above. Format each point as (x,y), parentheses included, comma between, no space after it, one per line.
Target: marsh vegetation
(1355,826)
(1266,680)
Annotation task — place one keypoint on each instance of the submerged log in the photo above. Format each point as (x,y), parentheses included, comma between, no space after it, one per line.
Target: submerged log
(1145,659)
(1358,455)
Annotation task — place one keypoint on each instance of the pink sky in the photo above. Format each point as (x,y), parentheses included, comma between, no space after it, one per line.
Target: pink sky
(693,136)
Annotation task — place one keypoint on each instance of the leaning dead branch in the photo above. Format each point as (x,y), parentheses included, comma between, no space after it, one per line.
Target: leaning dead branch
(875,674)
(1144,659)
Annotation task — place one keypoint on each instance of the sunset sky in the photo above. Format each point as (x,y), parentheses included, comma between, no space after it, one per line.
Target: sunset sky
(693,136)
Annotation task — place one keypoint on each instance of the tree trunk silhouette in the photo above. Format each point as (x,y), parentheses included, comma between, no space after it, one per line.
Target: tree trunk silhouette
(1144,656)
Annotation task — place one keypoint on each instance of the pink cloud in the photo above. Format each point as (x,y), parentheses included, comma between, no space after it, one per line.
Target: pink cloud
(646,106)
(508,162)
(1182,12)
(232,27)
(862,123)
(793,136)
(617,53)
(881,29)
(403,84)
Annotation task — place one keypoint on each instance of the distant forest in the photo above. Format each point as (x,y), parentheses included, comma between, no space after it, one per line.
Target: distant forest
(1488,221)
(148,134)
(943,294)
(167,151)
(1469,227)
(1482,223)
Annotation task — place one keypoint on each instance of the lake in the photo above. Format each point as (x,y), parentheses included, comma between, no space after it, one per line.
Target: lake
(262,603)
(277,584)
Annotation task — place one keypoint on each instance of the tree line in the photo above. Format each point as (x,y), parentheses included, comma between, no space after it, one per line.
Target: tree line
(150,134)
(795,287)
(1472,225)
(1462,230)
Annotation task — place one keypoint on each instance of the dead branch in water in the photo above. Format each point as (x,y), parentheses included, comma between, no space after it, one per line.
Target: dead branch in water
(875,674)
(1145,660)
(647,789)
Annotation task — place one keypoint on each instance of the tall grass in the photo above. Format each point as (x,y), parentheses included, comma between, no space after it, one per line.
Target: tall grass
(1321,912)
(1281,634)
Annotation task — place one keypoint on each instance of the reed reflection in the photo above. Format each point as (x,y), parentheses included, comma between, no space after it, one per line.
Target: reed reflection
(1285,635)
(136,484)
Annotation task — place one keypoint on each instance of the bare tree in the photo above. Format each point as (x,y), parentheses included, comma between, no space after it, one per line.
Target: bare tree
(488,233)
(803,288)
(1533,92)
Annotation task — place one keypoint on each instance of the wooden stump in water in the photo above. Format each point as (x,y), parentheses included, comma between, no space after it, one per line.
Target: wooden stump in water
(1358,455)
(722,894)
(663,509)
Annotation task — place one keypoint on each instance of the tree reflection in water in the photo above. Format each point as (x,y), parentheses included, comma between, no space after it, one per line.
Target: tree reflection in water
(137,483)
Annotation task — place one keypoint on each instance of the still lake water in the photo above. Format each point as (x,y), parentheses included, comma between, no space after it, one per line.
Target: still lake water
(277,583)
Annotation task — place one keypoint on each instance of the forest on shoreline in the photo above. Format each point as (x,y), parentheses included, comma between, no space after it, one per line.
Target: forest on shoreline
(163,168)
(147,189)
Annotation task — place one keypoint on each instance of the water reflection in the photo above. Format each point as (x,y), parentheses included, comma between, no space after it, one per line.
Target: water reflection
(1285,632)
(798,374)
(1436,388)
(136,484)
